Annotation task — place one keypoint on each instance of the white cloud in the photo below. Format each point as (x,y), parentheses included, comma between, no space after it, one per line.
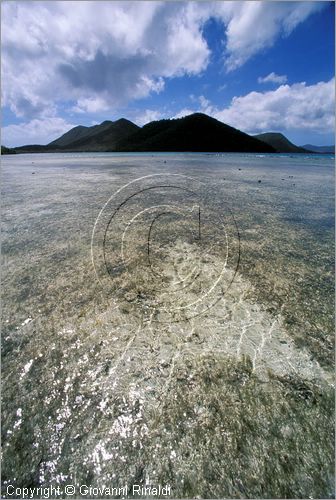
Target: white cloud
(254,26)
(205,103)
(149,115)
(273,78)
(202,105)
(34,132)
(289,107)
(100,55)
(184,112)
(89,105)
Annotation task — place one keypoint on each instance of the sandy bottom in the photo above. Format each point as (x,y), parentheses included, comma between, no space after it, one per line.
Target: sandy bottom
(200,362)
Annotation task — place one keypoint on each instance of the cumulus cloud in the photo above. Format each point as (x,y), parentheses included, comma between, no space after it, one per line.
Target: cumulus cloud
(98,54)
(185,112)
(101,55)
(35,132)
(289,107)
(149,115)
(273,78)
(252,27)
(202,104)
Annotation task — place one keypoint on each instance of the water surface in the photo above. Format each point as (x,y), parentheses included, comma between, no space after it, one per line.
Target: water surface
(112,377)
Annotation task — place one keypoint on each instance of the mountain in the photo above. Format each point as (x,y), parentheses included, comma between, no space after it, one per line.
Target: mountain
(319,149)
(196,132)
(103,137)
(72,135)
(280,143)
(7,151)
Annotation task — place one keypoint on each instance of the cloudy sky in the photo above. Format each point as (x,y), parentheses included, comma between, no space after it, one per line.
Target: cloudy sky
(258,66)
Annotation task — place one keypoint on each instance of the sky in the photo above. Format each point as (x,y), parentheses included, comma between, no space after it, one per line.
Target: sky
(257,66)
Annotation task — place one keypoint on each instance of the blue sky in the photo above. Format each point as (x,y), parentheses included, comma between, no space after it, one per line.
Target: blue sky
(258,66)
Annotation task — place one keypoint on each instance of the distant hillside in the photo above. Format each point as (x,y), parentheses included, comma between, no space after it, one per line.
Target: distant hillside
(100,138)
(280,143)
(196,132)
(34,148)
(319,149)
(103,137)
(7,151)
(72,135)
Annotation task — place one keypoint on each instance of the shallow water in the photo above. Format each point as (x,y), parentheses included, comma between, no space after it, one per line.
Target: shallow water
(216,268)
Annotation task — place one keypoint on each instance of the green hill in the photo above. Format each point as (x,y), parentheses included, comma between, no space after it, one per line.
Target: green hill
(99,138)
(103,137)
(72,135)
(197,132)
(319,149)
(7,151)
(280,143)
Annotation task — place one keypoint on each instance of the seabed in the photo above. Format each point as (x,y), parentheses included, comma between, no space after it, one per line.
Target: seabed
(199,358)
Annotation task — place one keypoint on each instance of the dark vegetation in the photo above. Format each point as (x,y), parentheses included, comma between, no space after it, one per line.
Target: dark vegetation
(280,143)
(103,137)
(7,151)
(194,133)
(320,149)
